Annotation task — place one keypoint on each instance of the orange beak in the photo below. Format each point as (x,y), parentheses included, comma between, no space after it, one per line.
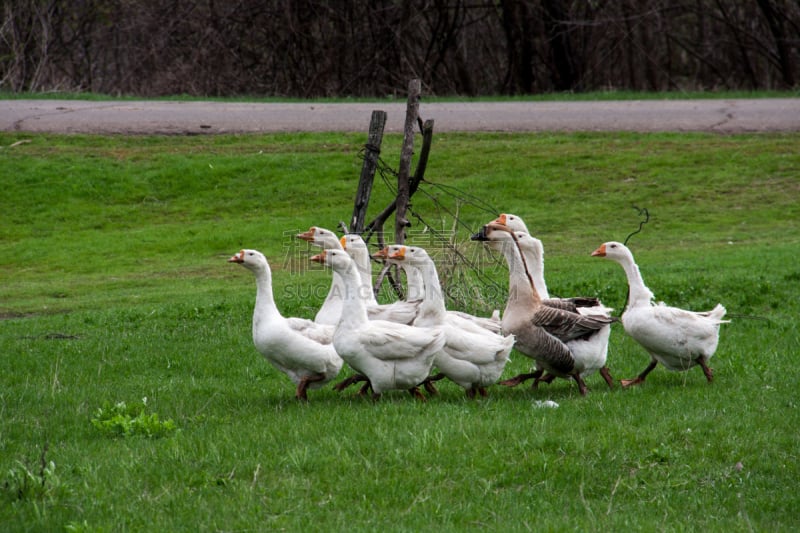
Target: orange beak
(381,254)
(237,258)
(319,258)
(399,254)
(343,242)
(500,220)
(600,252)
(307,235)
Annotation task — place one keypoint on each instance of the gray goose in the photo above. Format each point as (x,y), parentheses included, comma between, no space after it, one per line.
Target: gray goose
(557,339)
(532,252)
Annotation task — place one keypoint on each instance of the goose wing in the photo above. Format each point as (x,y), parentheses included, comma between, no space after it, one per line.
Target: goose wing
(478,348)
(676,335)
(291,350)
(320,333)
(689,327)
(567,326)
(537,343)
(401,312)
(389,341)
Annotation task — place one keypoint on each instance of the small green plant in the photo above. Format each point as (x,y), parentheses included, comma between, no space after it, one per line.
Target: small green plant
(23,483)
(81,527)
(123,420)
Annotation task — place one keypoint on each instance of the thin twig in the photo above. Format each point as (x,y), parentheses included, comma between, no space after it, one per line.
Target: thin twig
(646,213)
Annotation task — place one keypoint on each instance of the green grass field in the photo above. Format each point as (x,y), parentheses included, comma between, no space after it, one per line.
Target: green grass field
(115,288)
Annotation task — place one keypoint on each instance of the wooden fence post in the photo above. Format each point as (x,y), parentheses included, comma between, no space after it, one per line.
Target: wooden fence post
(404,171)
(371,152)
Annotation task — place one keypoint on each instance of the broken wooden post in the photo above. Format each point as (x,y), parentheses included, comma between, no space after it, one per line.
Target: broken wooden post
(376,226)
(371,152)
(424,152)
(404,171)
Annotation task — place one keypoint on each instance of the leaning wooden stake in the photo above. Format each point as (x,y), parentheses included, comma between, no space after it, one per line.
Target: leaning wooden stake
(371,152)
(407,184)
(376,225)
(404,171)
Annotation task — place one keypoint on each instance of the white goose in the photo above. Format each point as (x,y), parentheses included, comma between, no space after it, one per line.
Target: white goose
(298,347)
(332,306)
(559,341)
(533,250)
(533,253)
(676,338)
(389,354)
(401,311)
(417,285)
(459,319)
(472,357)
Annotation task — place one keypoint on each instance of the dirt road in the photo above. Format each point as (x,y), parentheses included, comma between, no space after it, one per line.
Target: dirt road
(145,117)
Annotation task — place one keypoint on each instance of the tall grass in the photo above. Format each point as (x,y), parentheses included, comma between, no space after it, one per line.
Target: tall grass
(116,288)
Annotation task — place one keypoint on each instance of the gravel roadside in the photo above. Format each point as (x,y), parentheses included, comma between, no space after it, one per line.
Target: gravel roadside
(181,118)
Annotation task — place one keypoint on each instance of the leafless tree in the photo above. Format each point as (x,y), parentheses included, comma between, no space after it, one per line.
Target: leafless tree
(312,48)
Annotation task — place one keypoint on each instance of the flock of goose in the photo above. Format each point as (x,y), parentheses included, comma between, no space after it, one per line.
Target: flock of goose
(415,342)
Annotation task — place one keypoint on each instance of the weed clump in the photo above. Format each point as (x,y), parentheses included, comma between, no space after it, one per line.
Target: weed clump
(124,420)
(23,483)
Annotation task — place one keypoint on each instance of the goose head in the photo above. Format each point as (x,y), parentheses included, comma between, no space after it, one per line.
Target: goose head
(394,254)
(496,235)
(324,238)
(338,260)
(512,222)
(528,243)
(352,242)
(250,259)
(613,250)
(411,255)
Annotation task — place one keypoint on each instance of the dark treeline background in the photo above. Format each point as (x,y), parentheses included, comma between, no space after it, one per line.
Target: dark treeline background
(317,48)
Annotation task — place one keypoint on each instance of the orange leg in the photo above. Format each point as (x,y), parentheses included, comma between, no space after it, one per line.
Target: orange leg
(428,383)
(522,378)
(416,394)
(547,378)
(302,387)
(607,376)
(349,381)
(641,377)
(581,384)
(707,371)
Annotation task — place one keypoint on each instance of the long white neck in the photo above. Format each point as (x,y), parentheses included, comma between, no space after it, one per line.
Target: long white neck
(535,261)
(415,284)
(265,309)
(354,310)
(332,306)
(361,259)
(521,290)
(638,293)
(432,310)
